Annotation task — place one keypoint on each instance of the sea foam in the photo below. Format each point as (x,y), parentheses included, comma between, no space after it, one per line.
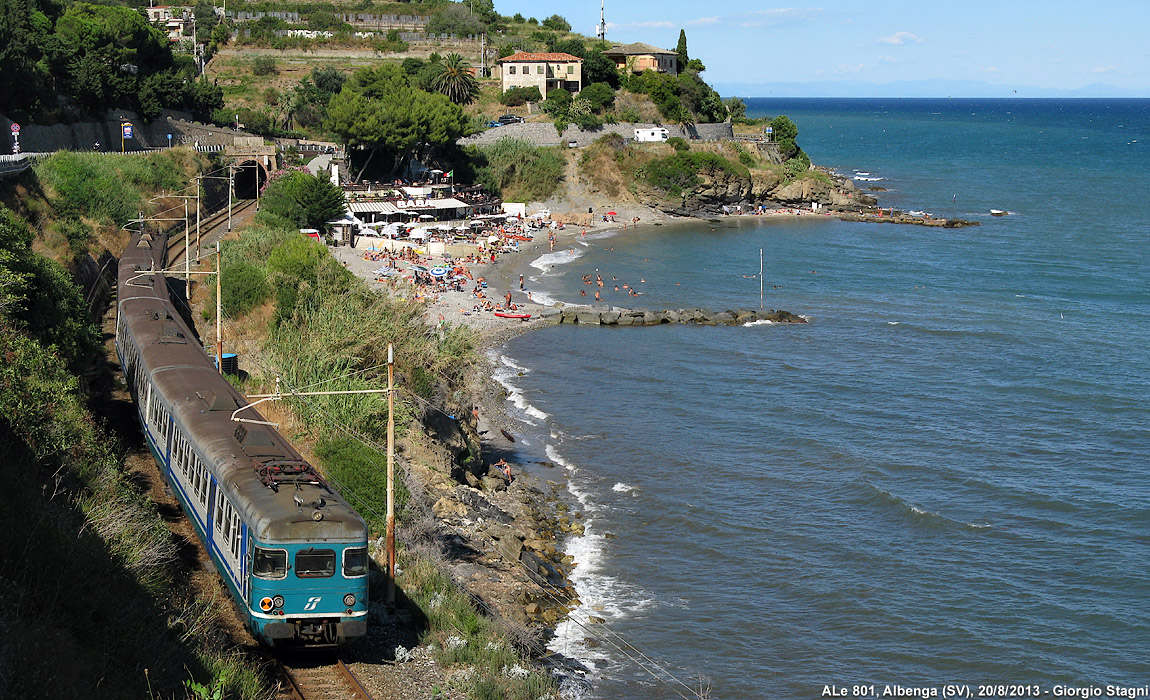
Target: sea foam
(560,257)
(599,594)
(505,369)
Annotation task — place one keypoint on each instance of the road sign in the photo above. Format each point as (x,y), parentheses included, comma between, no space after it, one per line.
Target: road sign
(127,130)
(15,128)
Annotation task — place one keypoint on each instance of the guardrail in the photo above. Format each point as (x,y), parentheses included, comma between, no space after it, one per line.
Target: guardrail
(16,163)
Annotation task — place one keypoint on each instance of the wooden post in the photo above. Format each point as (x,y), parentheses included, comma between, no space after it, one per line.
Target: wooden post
(390,475)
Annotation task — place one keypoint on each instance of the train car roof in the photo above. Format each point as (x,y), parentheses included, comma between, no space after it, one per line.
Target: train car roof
(283,497)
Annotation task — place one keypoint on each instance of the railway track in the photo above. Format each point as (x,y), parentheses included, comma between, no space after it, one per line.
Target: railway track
(315,679)
(212,229)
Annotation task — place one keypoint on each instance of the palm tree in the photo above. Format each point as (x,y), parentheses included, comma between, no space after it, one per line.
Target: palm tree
(456,80)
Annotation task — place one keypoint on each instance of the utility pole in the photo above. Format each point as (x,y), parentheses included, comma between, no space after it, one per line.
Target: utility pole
(230,183)
(219,315)
(187,252)
(601,30)
(198,185)
(390,475)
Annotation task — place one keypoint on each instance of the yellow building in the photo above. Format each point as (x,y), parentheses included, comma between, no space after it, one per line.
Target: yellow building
(639,57)
(546,71)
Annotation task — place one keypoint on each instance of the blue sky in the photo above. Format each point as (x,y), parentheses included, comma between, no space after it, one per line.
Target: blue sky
(897,48)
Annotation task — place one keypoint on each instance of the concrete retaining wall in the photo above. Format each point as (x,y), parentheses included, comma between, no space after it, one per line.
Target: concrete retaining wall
(81,135)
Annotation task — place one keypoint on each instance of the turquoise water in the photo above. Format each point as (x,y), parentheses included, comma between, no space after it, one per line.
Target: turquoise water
(943,478)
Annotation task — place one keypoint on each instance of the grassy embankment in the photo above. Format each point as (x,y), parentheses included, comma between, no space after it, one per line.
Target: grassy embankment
(95,602)
(322,327)
(92,574)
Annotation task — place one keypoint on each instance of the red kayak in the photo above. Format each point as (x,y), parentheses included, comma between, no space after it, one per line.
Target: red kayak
(507,314)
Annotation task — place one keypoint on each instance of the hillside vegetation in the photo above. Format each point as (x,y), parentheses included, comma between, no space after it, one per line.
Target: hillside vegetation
(97,602)
(101,601)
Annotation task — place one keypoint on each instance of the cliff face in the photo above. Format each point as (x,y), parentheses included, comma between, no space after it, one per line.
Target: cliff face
(721,188)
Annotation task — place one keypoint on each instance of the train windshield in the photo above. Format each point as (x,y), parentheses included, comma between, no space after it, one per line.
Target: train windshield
(269,563)
(355,562)
(315,563)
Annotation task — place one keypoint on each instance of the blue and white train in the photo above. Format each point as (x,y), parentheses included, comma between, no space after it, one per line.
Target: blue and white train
(292,552)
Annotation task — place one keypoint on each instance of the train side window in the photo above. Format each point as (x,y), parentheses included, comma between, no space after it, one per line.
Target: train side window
(355,562)
(269,563)
(201,483)
(315,563)
(237,535)
(220,516)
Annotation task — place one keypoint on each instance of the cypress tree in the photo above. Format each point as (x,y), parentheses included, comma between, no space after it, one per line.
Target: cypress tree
(681,49)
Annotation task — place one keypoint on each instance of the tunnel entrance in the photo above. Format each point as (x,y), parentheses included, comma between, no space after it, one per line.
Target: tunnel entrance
(249,178)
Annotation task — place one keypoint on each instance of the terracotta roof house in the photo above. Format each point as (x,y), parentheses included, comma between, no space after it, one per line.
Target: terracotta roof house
(639,57)
(546,71)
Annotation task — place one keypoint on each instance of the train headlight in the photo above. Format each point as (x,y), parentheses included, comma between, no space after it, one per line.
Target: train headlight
(349,599)
(278,601)
(266,604)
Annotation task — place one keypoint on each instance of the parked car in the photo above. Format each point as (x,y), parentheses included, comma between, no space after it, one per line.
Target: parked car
(510,119)
(494,124)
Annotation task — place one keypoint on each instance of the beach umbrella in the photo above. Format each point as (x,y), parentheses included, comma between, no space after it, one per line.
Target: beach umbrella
(611,213)
(438,271)
(417,268)
(426,216)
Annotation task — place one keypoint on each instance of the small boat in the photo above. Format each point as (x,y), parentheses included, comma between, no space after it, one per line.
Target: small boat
(507,435)
(998,212)
(510,314)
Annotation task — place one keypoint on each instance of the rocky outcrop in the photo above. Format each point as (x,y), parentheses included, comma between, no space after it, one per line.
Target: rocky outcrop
(722,189)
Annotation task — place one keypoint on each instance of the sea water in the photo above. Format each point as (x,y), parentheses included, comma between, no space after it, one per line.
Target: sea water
(942,478)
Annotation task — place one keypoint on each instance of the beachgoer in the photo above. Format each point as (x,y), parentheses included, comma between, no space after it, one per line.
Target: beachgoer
(504,467)
(521,283)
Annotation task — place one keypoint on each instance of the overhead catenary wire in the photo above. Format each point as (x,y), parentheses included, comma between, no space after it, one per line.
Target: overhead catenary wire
(599,631)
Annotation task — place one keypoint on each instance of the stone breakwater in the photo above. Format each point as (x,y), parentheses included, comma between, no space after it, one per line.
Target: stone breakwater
(612,316)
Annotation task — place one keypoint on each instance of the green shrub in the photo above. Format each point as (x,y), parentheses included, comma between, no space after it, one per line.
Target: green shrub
(517,96)
(630,116)
(557,103)
(243,287)
(78,234)
(264,65)
(297,258)
(309,200)
(521,171)
(680,172)
(679,144)
(747,159)
(599,95)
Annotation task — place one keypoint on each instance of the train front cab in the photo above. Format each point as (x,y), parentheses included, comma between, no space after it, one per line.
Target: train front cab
(312,594)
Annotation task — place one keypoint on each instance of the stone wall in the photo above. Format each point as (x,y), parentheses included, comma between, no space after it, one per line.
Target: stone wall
(544,134)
